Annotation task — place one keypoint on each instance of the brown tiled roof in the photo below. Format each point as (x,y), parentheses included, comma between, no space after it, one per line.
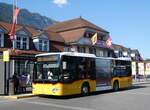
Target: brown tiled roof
(73,35)
(7,26)
(55,36)
(32,30)
(52,35)
(73,24)
(135,51)
(116,47)
(58,47)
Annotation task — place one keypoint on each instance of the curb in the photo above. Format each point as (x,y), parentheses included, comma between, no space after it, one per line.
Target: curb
(18,96)
(138,83)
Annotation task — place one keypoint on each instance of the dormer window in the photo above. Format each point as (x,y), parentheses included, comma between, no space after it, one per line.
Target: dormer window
(1,40)
(41,44)
(45,45)
(22,42)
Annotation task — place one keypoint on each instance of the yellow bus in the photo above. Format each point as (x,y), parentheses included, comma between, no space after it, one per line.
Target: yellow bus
(68,73)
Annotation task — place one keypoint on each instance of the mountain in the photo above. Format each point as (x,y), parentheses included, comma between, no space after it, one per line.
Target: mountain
(25,17)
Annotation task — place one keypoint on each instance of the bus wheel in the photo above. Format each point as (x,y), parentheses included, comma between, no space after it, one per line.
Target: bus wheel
(85,89)
(116,86)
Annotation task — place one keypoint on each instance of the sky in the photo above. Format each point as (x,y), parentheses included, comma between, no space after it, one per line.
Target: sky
(128,21)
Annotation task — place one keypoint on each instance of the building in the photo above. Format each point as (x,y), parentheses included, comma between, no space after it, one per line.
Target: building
(122,51)
(136,56)
(77,34)
(29,42)
(138,65)
(147,68)
(71,35)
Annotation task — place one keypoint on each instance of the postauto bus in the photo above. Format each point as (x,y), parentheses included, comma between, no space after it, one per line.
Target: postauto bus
(68,73)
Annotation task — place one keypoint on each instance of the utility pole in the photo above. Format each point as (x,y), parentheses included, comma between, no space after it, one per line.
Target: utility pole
(13,40)
(10,86)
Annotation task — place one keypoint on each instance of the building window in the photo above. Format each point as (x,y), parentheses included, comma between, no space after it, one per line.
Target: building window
(101,53)
(22,43)
(120,54)
(40,45)
(88,35)
(81,49)
(43,45)
(1,40)
(67,49)
(18,42)
(92,51)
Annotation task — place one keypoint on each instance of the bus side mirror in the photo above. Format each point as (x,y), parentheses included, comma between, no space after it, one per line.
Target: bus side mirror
(64,65)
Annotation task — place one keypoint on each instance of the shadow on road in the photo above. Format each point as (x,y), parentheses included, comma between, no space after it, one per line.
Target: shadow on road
(91,94)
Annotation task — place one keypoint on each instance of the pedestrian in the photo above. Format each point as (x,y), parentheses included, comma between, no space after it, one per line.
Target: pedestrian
(16,83)
(23,81)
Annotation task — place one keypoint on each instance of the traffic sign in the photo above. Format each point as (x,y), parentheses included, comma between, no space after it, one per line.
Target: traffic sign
(6,56)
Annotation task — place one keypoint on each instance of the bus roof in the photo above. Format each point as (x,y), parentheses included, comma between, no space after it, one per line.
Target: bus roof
(82,55)
(111,58)
(68,54)
(124,58)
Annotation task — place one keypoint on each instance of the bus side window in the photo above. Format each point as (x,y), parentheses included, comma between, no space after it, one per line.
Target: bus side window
(115,72)
(128,69)
(80,71)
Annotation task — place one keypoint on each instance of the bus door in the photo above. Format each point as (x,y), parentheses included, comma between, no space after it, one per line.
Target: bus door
(120,73)
(103,74)
(123,71)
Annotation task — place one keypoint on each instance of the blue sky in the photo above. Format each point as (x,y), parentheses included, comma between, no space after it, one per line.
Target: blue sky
(128,21)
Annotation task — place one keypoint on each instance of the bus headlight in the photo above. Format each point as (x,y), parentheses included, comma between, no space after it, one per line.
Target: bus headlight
(55,90)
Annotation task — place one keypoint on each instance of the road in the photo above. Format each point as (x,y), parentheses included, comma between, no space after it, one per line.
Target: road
(136,98)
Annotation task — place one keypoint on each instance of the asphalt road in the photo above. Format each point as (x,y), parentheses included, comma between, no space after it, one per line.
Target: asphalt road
(136,98)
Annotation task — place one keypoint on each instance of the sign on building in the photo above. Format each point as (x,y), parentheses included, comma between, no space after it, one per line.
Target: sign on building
(141,68)
(6,56)
(133,68)
(147,68)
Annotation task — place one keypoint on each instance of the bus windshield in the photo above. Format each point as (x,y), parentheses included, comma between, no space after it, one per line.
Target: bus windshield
(47,68)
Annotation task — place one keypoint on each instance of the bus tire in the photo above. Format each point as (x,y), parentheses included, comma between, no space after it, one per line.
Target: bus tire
(116,86)
(85,89)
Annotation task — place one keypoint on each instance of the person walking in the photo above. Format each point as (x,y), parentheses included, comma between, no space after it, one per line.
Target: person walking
(16,83)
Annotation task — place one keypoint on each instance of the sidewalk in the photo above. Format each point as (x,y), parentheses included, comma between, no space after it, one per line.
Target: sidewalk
(141,81)
(28,94)
(19,96)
